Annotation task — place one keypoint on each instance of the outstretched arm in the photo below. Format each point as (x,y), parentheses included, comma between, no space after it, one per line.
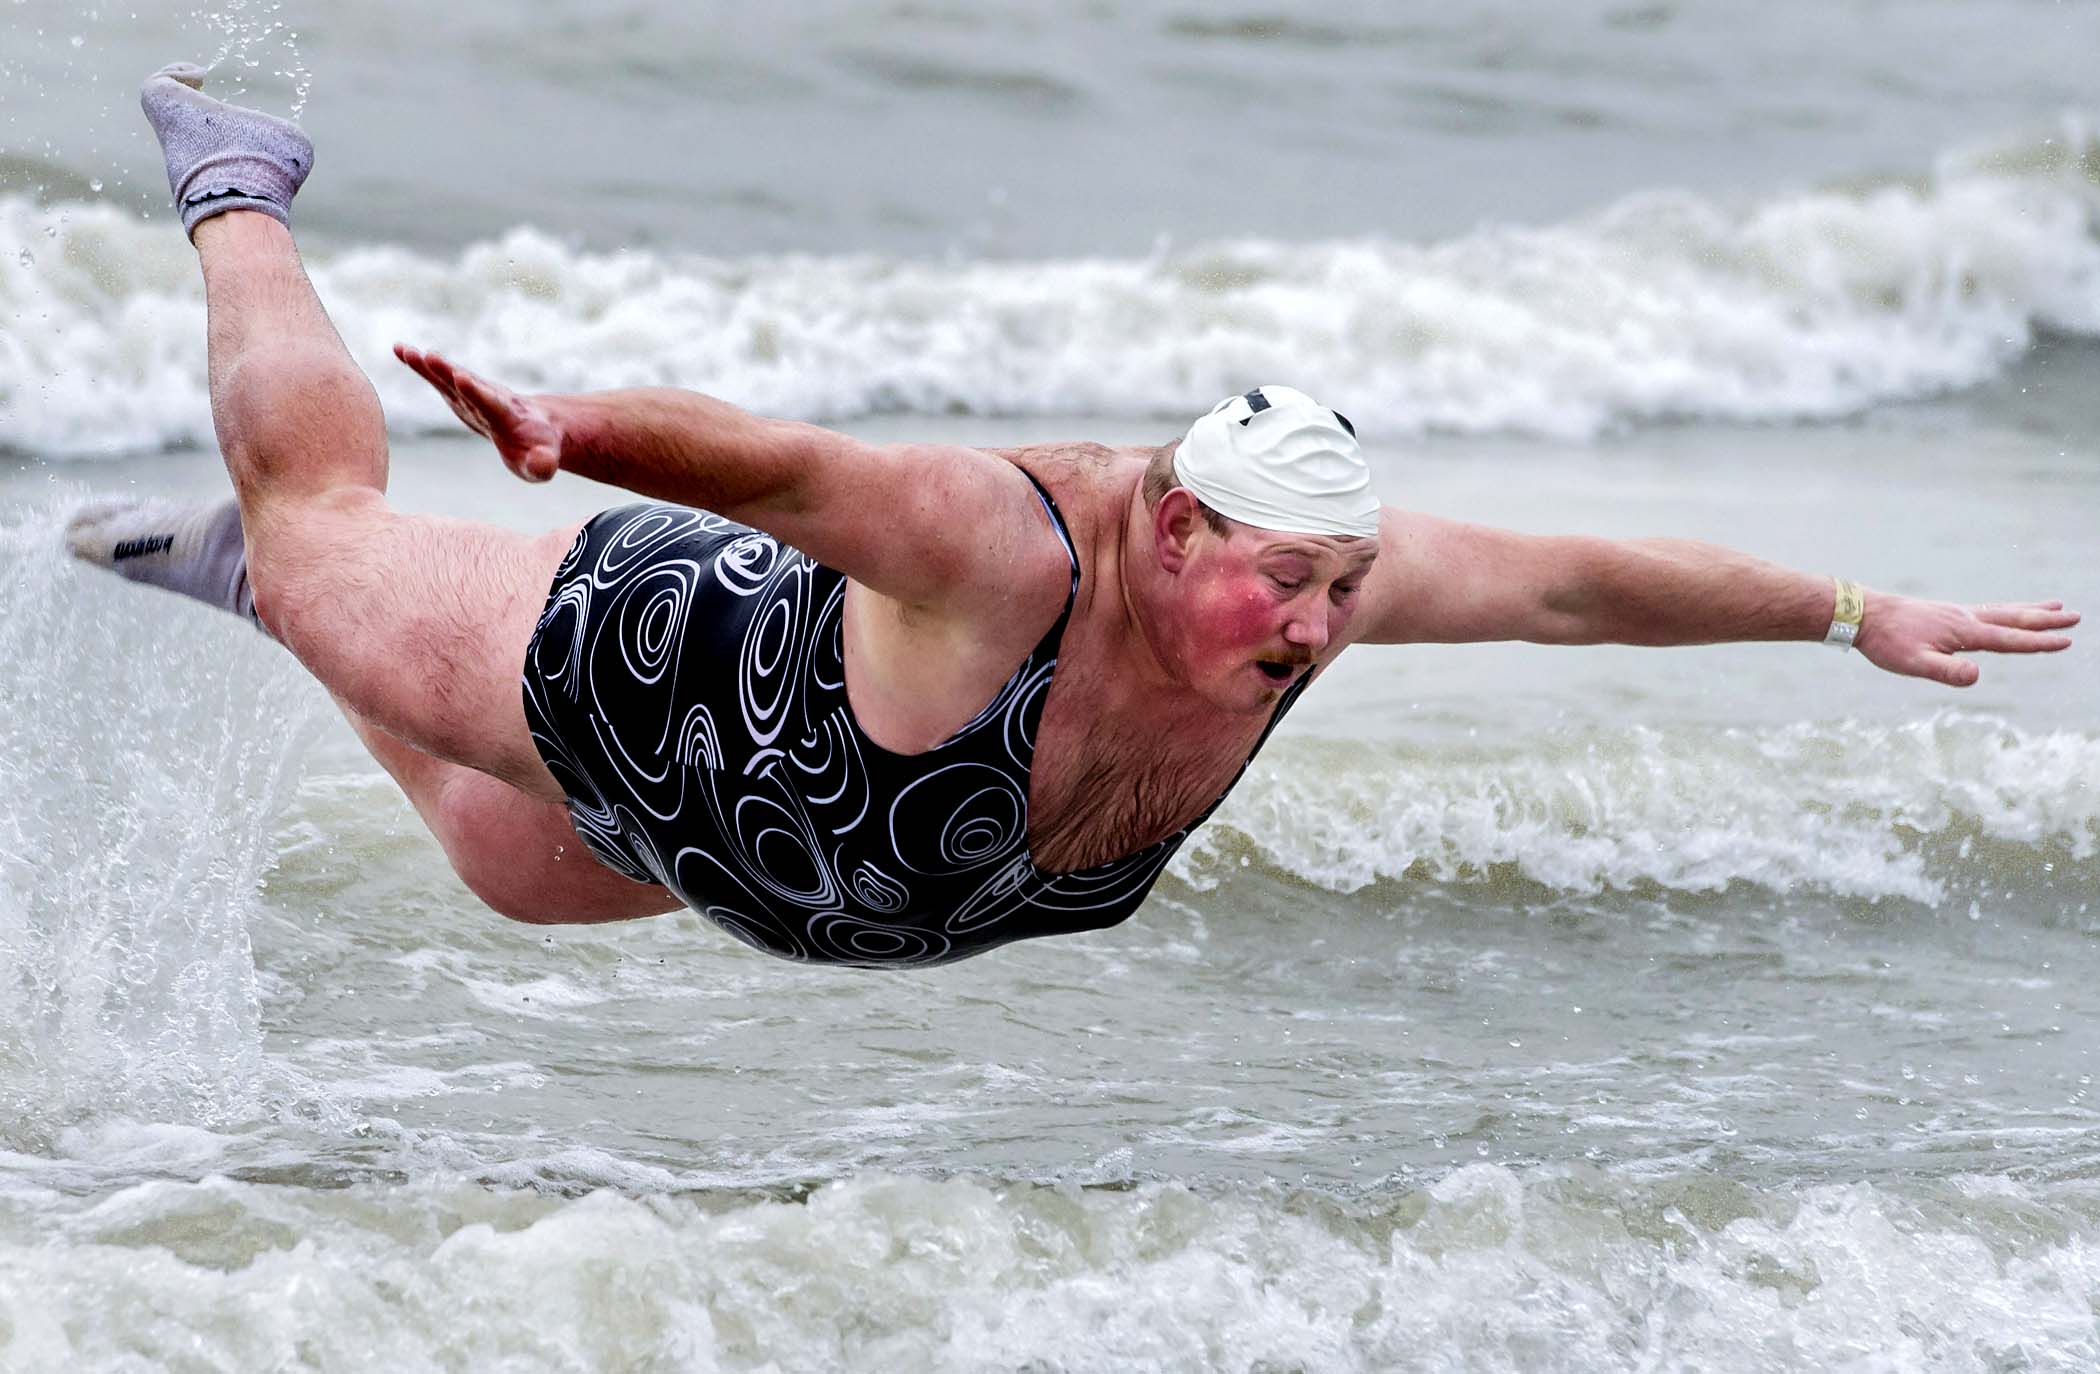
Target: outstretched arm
(654,441)
(1445,581)
(888,515)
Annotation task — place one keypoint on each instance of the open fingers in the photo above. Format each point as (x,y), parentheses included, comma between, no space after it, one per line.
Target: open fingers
(446,379)
(430,367)
(2030,615)
(2005,639)
(530,446)
(491,399)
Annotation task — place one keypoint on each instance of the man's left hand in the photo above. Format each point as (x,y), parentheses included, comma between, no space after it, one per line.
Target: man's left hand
(1925,638)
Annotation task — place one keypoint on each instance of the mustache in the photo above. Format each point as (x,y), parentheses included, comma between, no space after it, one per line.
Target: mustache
(1295,658)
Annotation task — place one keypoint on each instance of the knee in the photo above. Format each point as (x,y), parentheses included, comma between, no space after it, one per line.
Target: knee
(501,882)
(503,897)
(269,404)
(493,855)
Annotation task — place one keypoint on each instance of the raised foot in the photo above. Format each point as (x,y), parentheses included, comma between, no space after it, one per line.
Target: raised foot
(222,157)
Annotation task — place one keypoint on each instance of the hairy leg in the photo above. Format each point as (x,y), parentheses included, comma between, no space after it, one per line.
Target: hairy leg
(417,623)
(518,854)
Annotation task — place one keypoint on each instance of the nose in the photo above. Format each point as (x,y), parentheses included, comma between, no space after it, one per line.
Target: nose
(1307,628)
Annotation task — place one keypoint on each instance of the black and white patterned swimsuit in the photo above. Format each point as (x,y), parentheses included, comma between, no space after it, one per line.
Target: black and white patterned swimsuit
(686,685)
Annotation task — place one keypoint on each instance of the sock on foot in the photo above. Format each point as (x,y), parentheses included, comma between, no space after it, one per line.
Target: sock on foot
(222,157)
(195,550)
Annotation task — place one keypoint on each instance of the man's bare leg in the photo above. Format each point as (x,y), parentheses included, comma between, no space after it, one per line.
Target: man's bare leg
(519,856)
(416,625)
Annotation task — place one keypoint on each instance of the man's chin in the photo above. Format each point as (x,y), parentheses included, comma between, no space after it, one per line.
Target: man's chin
(1250,689)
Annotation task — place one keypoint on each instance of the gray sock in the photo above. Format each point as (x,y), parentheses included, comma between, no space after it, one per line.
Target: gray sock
(195,550)
(222,157)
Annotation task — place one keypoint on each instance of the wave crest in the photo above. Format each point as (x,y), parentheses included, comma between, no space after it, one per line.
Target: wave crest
(1664,305)
(1921,811)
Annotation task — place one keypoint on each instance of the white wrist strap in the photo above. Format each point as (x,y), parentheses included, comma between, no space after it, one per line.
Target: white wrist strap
(1846,615)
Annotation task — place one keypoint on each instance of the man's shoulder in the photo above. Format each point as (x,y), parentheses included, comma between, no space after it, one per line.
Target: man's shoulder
(1082,459)
(1091,483)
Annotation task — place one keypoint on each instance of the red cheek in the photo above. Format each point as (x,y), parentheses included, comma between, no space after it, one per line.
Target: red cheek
(1247,619)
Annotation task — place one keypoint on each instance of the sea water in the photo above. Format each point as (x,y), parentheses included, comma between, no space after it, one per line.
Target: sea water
(1524,1009)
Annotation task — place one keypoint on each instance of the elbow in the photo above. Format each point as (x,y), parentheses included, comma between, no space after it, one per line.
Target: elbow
(1568,607)
(1565,626)
(1579,601)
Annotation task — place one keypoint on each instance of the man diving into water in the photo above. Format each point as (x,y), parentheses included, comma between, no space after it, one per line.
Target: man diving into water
(857,703)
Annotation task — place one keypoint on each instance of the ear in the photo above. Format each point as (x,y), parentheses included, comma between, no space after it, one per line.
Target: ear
(1177,523)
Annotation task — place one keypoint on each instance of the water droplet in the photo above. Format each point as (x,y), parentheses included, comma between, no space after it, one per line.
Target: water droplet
(1909,1073)
(27,258)
(76,40)
(95,184)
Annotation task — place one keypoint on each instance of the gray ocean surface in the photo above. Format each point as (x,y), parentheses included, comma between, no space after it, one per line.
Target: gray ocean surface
(1524,1009)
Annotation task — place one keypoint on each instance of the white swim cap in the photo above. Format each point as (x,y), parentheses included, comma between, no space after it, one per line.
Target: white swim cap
(1278,460)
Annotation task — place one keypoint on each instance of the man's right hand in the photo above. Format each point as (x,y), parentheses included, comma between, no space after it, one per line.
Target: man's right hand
(523,430)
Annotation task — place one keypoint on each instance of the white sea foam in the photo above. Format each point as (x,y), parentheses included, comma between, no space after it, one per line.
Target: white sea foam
(1802,306)
(1682,809)
(1486,1270)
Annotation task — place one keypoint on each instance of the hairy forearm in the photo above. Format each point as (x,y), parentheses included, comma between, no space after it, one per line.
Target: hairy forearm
(1670,591)
(685,447)
(1678,591)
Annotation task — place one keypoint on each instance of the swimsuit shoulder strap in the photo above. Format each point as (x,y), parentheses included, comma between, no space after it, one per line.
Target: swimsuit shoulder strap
(1064,537)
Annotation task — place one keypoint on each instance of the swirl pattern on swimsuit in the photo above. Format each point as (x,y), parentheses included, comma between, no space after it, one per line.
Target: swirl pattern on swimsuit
(686,685)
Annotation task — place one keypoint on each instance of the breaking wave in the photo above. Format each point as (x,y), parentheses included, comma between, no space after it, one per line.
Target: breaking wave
(1951,803)
(1665,305)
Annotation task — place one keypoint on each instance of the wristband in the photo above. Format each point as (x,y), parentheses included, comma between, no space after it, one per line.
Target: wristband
(1846,615)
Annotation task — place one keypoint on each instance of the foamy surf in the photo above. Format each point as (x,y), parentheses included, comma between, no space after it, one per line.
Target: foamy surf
(1954,803)
(1485,1270)
(1801,306)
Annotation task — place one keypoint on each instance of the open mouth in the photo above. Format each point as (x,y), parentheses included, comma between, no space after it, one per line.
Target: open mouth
(1276,672)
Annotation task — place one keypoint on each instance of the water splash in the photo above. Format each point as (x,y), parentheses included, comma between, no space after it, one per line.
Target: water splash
(251,35)
(134,842)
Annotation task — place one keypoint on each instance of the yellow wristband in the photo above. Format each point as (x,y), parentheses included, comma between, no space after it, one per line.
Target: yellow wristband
(1846,615)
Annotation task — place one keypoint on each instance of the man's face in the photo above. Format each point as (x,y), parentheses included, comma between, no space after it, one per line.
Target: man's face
(1259,608)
